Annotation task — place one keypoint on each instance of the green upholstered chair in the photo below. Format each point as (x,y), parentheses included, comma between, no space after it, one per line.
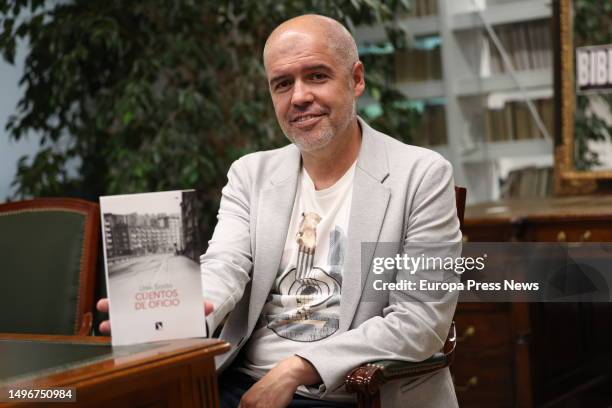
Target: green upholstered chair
(365,381)
(48,251)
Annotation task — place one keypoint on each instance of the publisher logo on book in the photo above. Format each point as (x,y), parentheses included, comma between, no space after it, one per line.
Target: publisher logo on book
(159,325)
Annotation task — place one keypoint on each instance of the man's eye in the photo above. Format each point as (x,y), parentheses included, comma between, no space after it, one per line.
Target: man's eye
(318,77)
(282,85)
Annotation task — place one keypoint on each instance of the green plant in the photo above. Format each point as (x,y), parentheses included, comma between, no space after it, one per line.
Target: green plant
(154,94)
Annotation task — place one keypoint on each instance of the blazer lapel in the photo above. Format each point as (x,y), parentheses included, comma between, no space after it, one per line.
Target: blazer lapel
(274,215)
(368,208)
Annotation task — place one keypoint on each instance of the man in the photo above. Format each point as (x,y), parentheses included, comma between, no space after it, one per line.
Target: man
(285,263)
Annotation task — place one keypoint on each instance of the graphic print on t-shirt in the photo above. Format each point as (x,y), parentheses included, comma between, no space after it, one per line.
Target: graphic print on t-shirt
(309,294)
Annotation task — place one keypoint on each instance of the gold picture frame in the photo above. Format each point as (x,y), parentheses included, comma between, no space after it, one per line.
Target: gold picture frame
(569,180)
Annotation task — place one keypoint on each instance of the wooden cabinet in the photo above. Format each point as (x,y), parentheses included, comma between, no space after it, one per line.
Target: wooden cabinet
(483,359)
(536,354)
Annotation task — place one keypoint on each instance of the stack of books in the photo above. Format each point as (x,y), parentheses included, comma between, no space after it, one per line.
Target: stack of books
(528,182)
(414,65)
(515,122)
(528,45)
(431,130)
(420,8)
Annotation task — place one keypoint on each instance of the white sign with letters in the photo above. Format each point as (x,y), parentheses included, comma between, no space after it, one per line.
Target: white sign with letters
(594,69)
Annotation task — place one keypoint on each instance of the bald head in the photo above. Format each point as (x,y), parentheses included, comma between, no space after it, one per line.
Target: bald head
(339,40)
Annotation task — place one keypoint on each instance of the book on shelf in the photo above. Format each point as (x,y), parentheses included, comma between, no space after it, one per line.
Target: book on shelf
(415,65)
(527,44)
(515,122)
(421,8)
(522,121)
(498,129)
(496,63)
(528,182)
(431,131)
(535,46)
(508,121)
(438,129)
(547,113)
(523,50)
(488,126)
(151,259)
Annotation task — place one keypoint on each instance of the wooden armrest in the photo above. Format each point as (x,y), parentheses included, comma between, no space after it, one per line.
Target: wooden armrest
(375,374)
(367,379)
(86,324)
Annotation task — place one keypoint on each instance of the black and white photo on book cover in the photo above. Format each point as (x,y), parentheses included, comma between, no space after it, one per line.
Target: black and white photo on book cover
(151,255)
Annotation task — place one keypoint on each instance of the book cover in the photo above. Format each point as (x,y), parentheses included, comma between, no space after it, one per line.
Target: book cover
(151,251)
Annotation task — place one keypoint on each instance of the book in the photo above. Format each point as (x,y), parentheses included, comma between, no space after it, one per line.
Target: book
(151,251)
(522,41)
(535,46)
(547,113)
(489,127)
(497,65)
(522,121)
(497,127)
(547,53)
(438,125)
(508,121)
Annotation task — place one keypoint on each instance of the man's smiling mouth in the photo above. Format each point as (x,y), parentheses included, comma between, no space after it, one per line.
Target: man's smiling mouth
(305,118)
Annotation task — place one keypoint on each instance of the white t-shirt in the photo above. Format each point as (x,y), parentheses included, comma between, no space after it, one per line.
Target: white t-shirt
(304,303)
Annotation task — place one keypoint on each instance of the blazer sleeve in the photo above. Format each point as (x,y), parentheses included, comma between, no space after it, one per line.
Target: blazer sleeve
(226,266)
(410,329)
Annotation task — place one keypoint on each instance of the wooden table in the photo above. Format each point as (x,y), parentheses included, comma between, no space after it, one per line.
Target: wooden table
(178,373)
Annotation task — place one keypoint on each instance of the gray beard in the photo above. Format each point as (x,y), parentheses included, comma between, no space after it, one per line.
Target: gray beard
(308,145)
(325,136)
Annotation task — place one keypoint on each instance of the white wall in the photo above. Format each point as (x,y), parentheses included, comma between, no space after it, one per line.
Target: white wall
(11,151)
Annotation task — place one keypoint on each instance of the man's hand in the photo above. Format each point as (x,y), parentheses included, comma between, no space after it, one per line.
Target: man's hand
(102,306)
(276,389)
(105,328)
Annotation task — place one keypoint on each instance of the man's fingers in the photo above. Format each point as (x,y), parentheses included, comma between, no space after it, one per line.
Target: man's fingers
(208,308)
(105,327)
(102,305)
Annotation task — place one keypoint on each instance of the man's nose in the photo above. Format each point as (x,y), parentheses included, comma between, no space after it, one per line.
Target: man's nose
(302,94)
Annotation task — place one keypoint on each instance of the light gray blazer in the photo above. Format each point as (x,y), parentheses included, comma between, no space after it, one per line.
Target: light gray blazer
(401,194)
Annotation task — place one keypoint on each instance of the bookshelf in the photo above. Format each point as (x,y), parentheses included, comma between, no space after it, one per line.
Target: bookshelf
(541,78)
(496,13)
(454,67)
(417,26)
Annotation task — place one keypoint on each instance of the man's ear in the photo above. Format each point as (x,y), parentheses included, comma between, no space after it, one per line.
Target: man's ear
(358,76)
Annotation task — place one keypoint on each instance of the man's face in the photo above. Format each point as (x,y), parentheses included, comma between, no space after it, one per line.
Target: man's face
(313,93)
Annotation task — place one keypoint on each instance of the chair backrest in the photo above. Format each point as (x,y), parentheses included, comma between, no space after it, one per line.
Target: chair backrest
(460,194)
(48,251)
(451,340)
